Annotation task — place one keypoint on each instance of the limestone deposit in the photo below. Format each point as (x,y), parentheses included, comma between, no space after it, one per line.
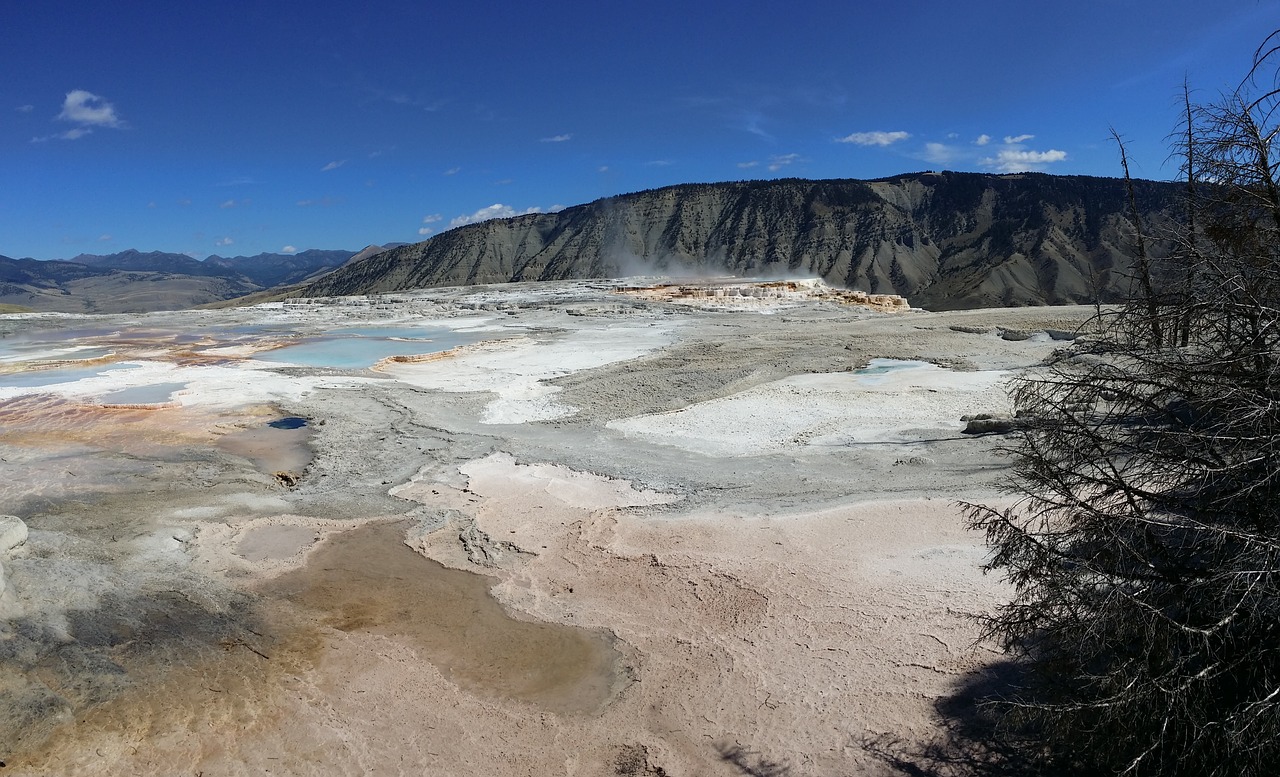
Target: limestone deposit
(13,532)
(583,532)
(717,293)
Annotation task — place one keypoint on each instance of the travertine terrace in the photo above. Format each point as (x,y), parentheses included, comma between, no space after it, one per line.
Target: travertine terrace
(584,528)
(741,292)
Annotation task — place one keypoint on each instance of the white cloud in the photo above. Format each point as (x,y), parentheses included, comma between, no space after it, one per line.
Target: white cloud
(877,138)
(494,211)
(89,110)
(748,165)
(432,218)
(334,165)
(84,109)
(70,134)
(776,163)
(104,238)
(557,138)
(940,153)
(1015,160)
(228,204)
(425,230)
(752,121)
(289,250)
(453,171)
(324,202)
(602,169)
(25,108)
(660,163)
(1010,156)
(223,241)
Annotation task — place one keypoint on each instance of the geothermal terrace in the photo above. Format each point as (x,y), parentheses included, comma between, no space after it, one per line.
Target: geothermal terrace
(577,528)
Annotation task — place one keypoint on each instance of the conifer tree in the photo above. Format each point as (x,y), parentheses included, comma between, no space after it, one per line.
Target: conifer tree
(1144,548)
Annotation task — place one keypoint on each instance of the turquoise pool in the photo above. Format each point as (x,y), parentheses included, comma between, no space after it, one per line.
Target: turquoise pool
(362,347)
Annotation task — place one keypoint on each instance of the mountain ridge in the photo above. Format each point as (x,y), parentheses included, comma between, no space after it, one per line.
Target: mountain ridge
(941,239)
(134,281)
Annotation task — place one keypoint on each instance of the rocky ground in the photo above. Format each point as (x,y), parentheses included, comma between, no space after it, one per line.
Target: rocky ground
(607,535)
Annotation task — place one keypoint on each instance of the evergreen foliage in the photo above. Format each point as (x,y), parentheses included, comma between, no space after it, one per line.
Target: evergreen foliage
(1145,547)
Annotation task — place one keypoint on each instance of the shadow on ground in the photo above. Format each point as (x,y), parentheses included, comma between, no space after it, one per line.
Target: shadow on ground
(972,741)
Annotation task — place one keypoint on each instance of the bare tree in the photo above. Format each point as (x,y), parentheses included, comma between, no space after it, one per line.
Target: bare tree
(1145,547)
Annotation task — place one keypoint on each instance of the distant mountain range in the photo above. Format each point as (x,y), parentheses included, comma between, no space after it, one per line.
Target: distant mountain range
(942,240)
(132,281)
(262,270)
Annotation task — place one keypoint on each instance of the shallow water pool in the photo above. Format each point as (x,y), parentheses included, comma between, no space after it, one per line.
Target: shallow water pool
(393,332)
(154,394)
(40,378)
(360,348)
(885,366)
(18,353)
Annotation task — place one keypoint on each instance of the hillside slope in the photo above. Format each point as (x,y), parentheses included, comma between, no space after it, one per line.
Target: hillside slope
(943,240)
(72,287)
(133,282)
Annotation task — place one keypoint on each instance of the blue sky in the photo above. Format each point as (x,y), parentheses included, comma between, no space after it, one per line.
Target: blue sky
(242,127)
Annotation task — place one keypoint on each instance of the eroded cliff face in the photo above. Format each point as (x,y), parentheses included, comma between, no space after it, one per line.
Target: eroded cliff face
(942,240)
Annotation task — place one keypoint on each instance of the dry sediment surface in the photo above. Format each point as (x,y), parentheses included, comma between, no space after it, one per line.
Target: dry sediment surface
(612,536)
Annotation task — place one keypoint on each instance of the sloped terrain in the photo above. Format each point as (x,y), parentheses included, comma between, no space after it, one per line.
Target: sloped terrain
(73,287)
(943,240)
(133,281)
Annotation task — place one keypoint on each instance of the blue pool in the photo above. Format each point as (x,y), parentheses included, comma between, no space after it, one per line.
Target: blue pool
(360,348)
